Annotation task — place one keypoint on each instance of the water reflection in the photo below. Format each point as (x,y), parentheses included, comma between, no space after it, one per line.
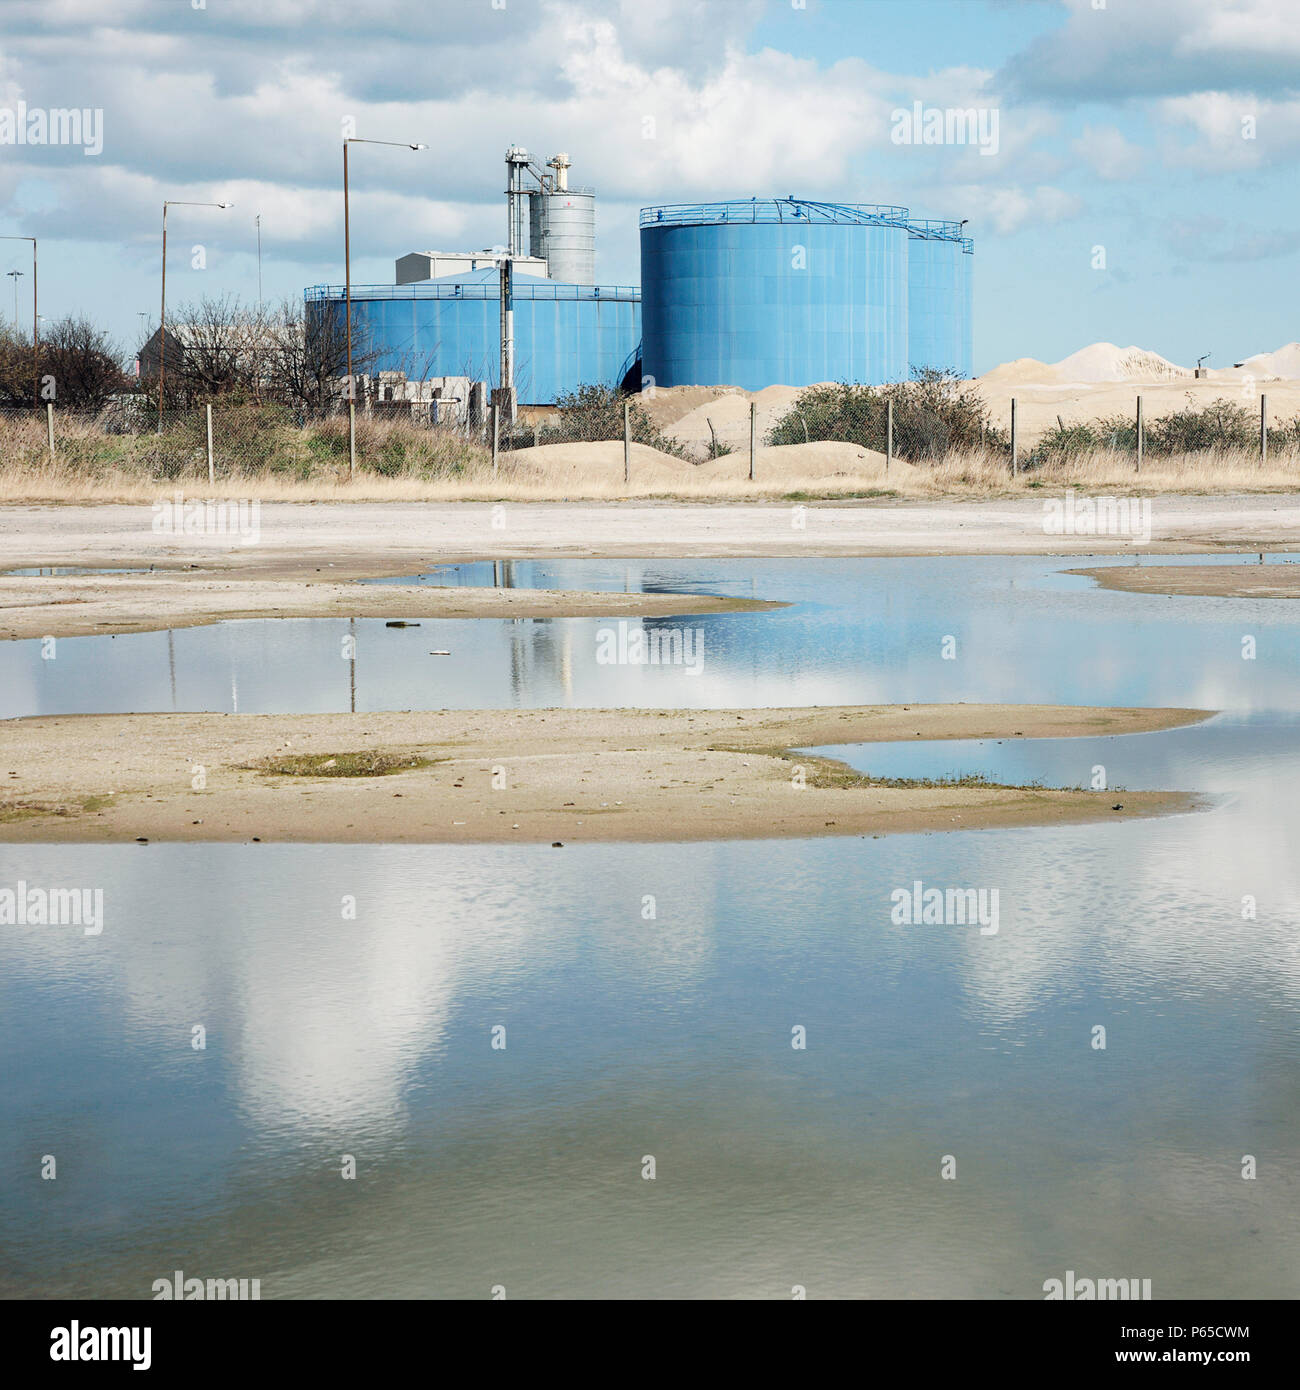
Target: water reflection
(672,1036)
(858,631)
(369,1032)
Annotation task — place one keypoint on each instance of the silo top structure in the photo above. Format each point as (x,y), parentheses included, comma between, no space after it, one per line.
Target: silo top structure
(939,297)
(560,221)
(774,290)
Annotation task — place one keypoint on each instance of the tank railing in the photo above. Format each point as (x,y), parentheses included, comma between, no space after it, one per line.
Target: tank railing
(629,362)
(933,229)
(430,290)
(768,210)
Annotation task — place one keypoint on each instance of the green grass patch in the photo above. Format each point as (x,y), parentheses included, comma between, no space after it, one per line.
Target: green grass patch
(369,763)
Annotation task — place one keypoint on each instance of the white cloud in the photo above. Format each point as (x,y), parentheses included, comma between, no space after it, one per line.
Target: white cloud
(1106,151)
(1161,47)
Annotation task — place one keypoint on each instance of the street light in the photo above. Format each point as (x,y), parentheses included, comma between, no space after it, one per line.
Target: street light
(162,323)
(15,276)
(347,272)
(36,334)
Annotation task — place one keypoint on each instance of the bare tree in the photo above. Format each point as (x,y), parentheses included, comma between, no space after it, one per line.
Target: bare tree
(226,349)
(310,354)
(78,366)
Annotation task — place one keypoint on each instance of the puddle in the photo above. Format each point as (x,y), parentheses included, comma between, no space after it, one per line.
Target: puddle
(978,629)
(368,1030)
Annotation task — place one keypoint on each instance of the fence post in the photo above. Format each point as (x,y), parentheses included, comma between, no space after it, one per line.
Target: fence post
(627,442)
(1137,468)
(212,472)
(753,430)
(496,421)
(889,433)
(1014,469)
(1263,429)
(49,426)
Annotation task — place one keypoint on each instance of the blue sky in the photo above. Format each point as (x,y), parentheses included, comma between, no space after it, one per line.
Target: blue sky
(1124,125)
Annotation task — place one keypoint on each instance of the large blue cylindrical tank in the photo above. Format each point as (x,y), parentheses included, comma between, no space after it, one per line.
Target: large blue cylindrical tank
(773,291)
(566,335)
(938,298)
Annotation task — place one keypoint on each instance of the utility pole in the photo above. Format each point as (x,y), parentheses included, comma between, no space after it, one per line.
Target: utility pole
(36,320)
(15,276)
(347,273)
(507,294)
(162,318)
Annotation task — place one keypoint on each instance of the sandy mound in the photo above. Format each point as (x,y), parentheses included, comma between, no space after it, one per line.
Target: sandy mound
(729,417)
(1284,363)
(601,459)
(1024,371)
(603,462)
(667,404)
(825,458)
(1106,362)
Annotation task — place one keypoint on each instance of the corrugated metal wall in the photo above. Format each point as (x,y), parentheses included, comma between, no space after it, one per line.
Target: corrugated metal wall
(565,335)
(799,300)
(765,291)
(938,304)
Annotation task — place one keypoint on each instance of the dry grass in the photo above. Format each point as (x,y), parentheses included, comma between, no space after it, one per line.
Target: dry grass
(369,762)
(402,463)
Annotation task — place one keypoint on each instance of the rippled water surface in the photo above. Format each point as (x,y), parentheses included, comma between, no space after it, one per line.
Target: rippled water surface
(330,1034)
(856,631)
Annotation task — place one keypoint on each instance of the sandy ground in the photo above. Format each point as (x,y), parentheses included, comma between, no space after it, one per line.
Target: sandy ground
(297,540)
(816,465)
(562,775)
(83,605)
(1206,581)
(1098,381)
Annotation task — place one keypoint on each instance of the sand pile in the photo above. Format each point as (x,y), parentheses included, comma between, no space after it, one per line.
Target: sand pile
(796,464)
(1106,362)
(598,461)
(827,458)
(1024,371)
(667,404)
(729,417)
(1283,364)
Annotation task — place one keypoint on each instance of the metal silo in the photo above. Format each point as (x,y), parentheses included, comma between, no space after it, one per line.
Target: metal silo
(566,335)
(938,297)
(772,291)
(562,230)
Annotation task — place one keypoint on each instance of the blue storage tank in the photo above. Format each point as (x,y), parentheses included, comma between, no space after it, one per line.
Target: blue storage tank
(566,336)
(773,290)
(939,297)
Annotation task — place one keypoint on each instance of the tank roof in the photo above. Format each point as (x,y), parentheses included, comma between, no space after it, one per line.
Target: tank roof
(478,284)
(798,210)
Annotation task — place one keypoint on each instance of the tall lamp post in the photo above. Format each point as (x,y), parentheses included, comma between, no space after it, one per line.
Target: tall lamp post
(162,322)
(15,276)
(347,273)
(36,332)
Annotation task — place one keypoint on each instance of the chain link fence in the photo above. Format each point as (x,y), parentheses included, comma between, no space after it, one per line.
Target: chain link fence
(922,422)
(128,438)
